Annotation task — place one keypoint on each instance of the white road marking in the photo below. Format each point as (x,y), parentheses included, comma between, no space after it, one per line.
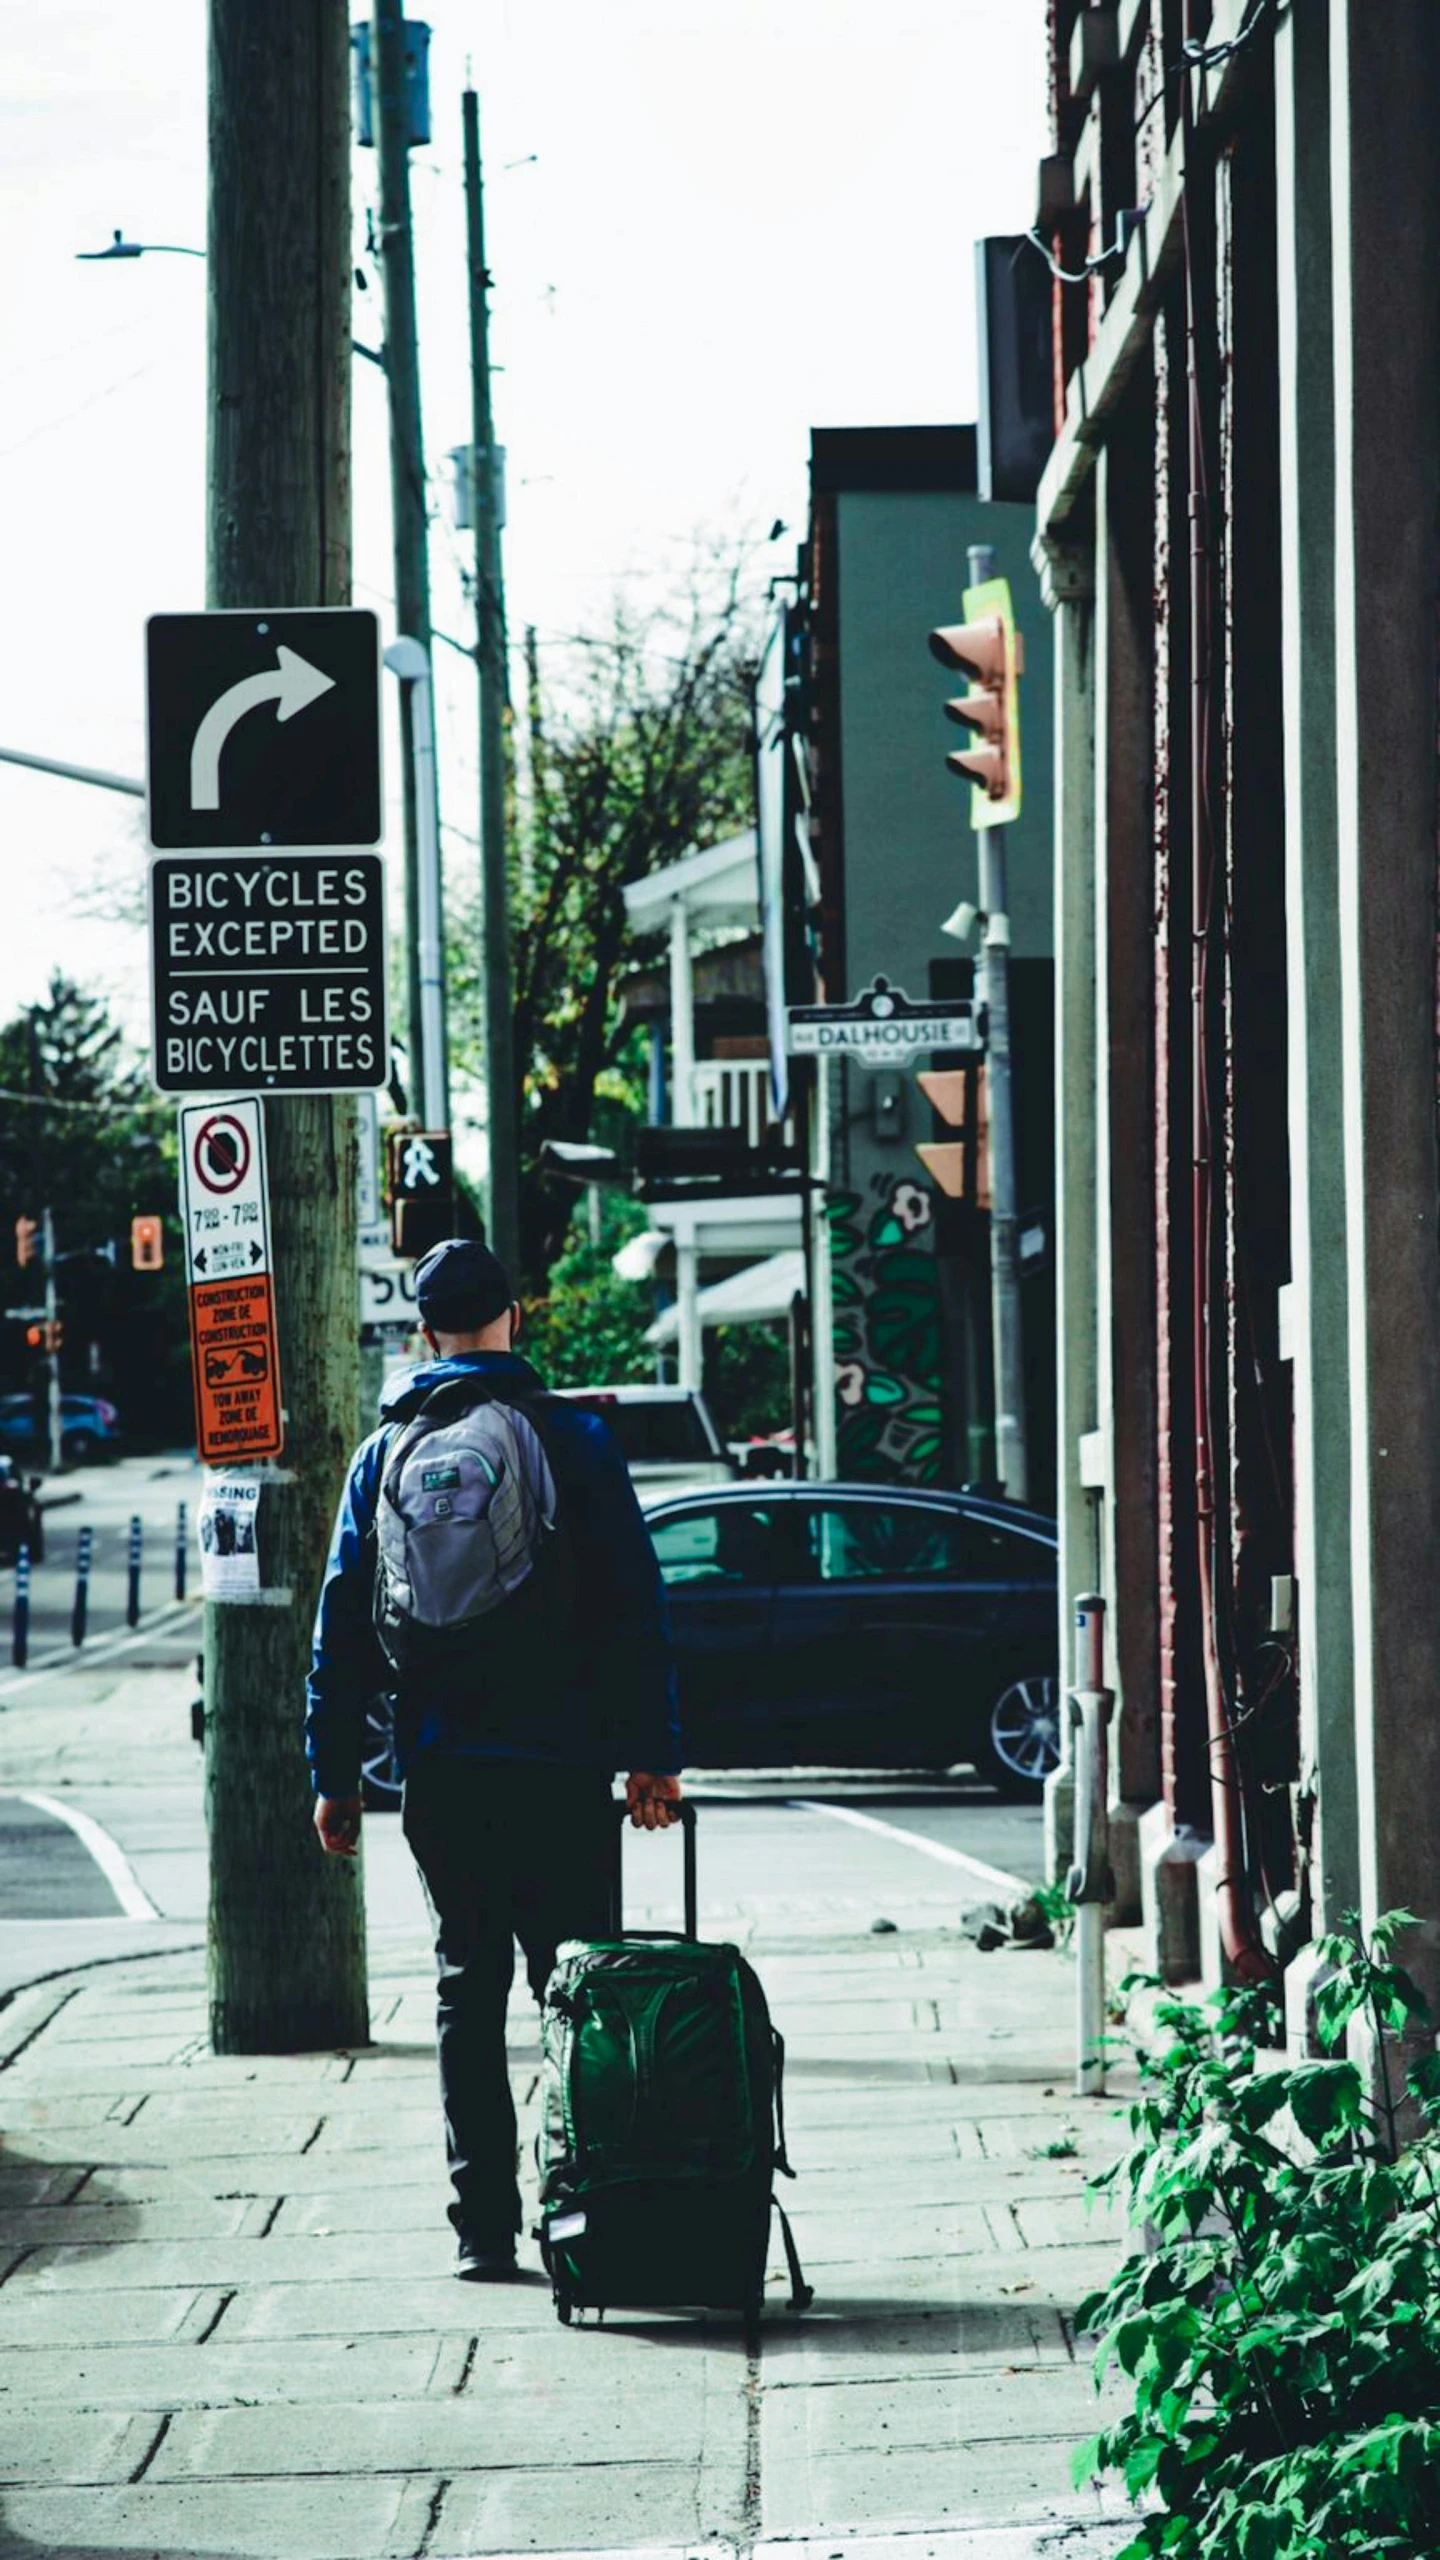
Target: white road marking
(108,1855)
(994,1877)
(103,1649)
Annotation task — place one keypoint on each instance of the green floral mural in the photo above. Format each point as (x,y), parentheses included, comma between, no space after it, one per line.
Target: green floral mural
(890,1421)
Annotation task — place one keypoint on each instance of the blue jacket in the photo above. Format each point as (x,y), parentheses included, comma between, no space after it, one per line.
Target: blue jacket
(614,1707)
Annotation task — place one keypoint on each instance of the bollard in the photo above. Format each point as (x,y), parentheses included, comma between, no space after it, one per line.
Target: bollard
(84,1545)
(180,1553)
(20,1638)
(137,1538)
(1090,1884)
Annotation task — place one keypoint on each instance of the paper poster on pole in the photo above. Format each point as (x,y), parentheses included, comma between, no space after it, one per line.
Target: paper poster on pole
(229,1555)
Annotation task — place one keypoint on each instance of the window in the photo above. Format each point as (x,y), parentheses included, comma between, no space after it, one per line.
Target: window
(731,1545)
(666,1433)
(895,1541)
(882,1542)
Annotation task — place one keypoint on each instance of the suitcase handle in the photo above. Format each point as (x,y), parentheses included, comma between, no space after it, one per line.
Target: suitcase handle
(686,1814)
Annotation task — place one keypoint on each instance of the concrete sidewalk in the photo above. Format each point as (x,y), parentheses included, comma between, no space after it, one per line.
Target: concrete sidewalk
(228,2278)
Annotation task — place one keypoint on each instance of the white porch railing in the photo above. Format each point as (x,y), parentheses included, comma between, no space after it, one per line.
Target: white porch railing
(733,1093)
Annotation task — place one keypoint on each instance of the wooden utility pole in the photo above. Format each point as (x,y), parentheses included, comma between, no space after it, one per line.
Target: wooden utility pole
(287,1924)
(409,510)
(500,1067)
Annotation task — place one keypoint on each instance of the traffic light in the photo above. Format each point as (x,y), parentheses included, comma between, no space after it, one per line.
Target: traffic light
(44,1337)
(147,1244)
(959,1166)
(988,649)
(26,1247)
(422,1190)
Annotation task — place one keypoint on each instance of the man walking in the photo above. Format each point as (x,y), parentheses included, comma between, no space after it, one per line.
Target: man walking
(490,1564)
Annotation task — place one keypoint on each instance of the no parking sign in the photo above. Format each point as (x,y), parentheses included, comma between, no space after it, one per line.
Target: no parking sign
(225,1207)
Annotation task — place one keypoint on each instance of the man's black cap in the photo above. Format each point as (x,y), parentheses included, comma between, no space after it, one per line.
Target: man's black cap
(460,1287)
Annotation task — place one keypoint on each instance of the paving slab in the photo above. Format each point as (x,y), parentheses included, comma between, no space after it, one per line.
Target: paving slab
(335,2519)
(598,2421)
(89,2447)
(620,2506)
(1058,2533)
(913,2487)
(82,2319)
(187,2373)
(826,2348)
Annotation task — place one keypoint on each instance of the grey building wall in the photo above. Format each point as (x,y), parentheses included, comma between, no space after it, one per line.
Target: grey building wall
(909,845)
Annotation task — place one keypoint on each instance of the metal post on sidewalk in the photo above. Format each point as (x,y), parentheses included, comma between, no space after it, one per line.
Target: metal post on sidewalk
(1091,1882)
(20,1633)
(79,1615)
(137,1545)
(180,1552)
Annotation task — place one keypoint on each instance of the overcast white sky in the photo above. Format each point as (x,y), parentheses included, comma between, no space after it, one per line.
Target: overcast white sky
(745,218)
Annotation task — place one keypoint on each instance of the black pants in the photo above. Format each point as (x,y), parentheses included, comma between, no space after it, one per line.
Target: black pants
(506,1849)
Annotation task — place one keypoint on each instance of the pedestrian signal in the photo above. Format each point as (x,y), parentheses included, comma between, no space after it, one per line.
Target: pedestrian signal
(421,1168)
(147,1243)
(988,649)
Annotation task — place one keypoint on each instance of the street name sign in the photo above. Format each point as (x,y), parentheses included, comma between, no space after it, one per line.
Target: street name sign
(882,1028)
(225,1207)
(268,970)
(263,728)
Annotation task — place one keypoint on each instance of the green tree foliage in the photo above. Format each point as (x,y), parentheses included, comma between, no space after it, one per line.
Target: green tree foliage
(747,1379)
(639,751)
(588,1329)
(80,1134)
(1281,2329)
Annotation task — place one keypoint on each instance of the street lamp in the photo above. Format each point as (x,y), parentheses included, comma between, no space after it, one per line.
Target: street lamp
(120,247)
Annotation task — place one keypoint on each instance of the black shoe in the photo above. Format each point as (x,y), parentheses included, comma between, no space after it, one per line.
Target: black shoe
(475,2265)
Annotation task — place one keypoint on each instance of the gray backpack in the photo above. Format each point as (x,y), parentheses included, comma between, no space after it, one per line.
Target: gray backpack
(466,1535)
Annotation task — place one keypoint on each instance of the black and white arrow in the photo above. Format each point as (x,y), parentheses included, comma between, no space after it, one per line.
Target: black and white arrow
(291,684)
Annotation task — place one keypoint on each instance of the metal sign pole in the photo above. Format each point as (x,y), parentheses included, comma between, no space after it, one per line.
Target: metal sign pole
(1011,1464)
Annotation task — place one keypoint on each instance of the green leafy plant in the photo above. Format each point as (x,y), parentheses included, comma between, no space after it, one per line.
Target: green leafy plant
(1058,1909)
(1282,2330)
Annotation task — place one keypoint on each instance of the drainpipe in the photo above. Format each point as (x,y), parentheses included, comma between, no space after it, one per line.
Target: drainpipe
(1244,1953)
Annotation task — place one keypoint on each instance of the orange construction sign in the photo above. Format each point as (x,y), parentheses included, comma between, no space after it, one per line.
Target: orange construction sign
(237,1370)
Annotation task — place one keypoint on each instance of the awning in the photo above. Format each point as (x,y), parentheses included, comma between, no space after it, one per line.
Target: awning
(760,1294)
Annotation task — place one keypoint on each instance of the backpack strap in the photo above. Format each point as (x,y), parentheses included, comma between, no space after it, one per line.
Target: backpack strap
(782,2158)
(801,2293)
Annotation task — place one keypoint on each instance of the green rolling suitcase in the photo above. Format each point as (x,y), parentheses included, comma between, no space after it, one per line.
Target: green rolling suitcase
(662,2125)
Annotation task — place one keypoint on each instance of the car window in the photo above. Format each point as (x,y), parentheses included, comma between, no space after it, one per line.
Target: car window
(990,1552)
(880,1541)
(911,1541)
(732,1545)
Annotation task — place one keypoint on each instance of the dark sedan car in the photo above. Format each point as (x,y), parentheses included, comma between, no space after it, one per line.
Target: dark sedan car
(854,1626)
(863,1626)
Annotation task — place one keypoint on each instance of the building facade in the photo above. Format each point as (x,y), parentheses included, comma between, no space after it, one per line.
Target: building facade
(1237,535)
(893,511)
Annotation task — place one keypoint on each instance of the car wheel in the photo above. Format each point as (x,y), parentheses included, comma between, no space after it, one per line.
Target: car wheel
(1022,1737)
(79,1447)
(379,1777)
